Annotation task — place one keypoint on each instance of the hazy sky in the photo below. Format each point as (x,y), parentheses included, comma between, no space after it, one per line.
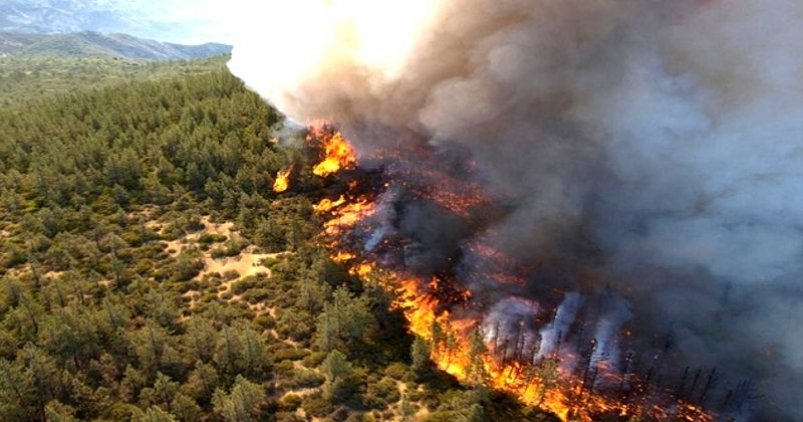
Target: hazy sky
(192,21)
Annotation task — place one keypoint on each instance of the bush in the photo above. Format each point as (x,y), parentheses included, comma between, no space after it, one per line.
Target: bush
(317,406)
(14,256)
(307,378)
(265,321)
(388,389)
(254,296)
(185,268)
(212,238)
(240,287)
(288,417)
(194,224)
(230,249)
(290,353)
(284,368)
(290,402)
(397,370)
(314,359)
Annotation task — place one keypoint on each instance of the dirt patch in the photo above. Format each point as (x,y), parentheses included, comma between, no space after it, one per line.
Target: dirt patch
(246,264)
(177,246)
(53,274)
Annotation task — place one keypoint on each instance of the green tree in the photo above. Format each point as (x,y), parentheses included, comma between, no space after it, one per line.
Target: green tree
(338,372)
(244,403)
(55,411)
(202,382)
(547,373)
(18,393)
(155,414)
(161,393)
(346,321)
(476,372)
(420,355)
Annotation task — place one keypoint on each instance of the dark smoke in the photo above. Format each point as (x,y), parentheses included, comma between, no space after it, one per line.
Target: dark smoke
(646,156)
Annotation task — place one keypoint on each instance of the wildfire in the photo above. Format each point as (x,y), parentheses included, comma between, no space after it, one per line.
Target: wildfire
(338,153)
(327,204)
(282,182)
(349,215)
(544,382)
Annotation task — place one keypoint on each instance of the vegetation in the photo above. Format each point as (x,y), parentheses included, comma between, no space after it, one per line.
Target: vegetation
(149,273)
(23,79)
(94,44)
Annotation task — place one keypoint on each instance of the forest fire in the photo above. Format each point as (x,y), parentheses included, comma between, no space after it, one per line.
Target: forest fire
(466,340)
(595,175)
(282,182)
(338,153)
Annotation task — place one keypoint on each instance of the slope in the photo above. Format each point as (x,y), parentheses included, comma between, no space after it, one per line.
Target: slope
(88,44)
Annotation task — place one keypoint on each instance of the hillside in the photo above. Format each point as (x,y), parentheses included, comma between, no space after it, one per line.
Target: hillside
(89,44)
(64,16)
(29,79)
(150,273)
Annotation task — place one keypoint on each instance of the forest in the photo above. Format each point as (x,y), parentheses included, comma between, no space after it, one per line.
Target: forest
(150,273)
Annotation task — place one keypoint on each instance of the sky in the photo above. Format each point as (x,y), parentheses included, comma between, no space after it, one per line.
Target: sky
(194,21)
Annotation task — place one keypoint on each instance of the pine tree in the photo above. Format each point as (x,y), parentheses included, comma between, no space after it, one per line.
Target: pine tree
(420,355)
(244,403)
(476,372)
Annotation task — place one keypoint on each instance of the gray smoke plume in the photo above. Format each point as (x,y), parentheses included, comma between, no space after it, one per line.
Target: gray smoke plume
(656,144)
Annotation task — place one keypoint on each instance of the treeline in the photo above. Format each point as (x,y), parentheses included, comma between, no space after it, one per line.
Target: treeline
(108,309)
(26,79)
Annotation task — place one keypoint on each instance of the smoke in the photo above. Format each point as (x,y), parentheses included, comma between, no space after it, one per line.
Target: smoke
(655,144)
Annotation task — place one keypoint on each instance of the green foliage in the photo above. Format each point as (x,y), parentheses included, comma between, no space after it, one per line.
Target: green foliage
(244,403)
(476,372)
(56,411)
(419,354)
(346,322)
(108,309)
(23,79)
(156,414)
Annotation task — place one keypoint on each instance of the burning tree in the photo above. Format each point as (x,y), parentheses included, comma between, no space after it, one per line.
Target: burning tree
(545,367)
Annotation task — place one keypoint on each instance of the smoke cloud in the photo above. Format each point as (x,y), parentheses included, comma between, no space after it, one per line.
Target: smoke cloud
(655,144)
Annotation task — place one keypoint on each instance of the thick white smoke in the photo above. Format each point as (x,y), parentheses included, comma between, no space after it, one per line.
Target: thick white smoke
(668,134)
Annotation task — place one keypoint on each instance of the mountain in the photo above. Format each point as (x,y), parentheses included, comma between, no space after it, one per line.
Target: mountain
(142,18)
(87,44)
(51,16)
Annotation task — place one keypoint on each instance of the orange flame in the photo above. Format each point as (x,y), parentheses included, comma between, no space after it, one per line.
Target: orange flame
(282,182)
(545,385)
(338,152)
(327,205)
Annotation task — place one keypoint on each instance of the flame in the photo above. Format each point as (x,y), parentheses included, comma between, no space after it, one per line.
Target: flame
(282,182)
(327,205)
(338,153)
(341,257)
(349,215)
(546,384)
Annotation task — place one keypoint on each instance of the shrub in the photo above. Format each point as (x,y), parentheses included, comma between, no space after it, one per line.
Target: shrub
(265,321)
(290,353)
(397,370)
(290,402)
(307,378)
(316,405)
(230,249)
(313,359)
(212,238)
(243,285)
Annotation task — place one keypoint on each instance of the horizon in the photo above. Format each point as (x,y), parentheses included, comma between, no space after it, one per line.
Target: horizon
(176,21)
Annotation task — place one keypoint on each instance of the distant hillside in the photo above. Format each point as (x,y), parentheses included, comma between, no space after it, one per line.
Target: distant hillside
(29,79)
(64,16)
(89,44)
